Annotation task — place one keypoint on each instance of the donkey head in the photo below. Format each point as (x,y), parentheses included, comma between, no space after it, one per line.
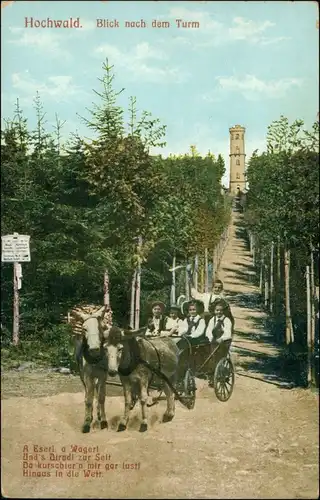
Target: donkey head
(121,349)
(114,349)
(91,324)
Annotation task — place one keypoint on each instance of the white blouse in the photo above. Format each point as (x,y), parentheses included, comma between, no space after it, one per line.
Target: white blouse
(195,332)
(226,328)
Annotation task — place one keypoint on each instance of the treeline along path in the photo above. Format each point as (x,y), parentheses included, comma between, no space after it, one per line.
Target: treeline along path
(262,443)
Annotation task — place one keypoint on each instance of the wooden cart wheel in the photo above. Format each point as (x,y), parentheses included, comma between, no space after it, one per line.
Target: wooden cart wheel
(223,379)
(190,388)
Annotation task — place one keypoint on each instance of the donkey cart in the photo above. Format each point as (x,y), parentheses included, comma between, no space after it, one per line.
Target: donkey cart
(214,363)
(203,361)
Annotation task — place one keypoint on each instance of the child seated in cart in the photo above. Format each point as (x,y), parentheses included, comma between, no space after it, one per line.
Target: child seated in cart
(193,326)
(220,327)
(172,323)
(156,323)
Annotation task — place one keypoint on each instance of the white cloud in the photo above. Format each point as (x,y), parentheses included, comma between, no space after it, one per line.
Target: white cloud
(51,42)
(57,88)
(213,33)
(270,41)
(253,88)
(41,40)
(139,63)
(245,29)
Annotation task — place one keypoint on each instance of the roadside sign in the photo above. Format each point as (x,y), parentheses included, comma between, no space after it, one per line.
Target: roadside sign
(15,248)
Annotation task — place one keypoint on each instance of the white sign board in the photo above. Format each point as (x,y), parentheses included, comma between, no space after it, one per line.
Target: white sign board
(15,248)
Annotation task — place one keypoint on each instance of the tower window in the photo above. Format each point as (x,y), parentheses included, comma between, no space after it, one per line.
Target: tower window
(237,136)
(238,162)
(238,175)
(237,150)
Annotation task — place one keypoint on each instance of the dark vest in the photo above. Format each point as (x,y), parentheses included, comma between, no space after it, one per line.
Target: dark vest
(217,331)
(192,324)
(162,324)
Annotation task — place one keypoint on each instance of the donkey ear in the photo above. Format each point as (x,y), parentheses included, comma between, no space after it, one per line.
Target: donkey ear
(79,315)
(100,313)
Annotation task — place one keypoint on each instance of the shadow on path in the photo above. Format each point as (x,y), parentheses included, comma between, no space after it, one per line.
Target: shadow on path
(260,355)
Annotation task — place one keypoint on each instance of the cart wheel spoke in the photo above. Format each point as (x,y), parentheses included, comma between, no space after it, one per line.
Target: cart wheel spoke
(190,388)
(224,379)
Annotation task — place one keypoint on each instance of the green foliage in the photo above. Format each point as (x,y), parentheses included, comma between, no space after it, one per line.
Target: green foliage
(86,203)
(283,203)
(284,188)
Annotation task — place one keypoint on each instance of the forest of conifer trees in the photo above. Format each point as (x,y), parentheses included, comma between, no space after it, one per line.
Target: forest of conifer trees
(86,202)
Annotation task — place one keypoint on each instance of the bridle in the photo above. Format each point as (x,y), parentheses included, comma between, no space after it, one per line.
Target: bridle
(93,360)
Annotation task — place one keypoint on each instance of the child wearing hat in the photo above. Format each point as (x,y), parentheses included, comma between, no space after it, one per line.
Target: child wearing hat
(193,325)
(173,322)
(156,324)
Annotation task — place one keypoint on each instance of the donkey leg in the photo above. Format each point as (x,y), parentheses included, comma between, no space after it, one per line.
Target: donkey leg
(127,405)
(96,396)
(170,411)
(89,382)
(144,400)
(101,401)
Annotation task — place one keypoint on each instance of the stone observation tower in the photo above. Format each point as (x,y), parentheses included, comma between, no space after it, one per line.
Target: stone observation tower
(237,159)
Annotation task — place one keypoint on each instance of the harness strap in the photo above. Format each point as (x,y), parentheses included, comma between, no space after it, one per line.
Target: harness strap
(134,349)
(89,359)
(159,361)
(139,360)
(165,378)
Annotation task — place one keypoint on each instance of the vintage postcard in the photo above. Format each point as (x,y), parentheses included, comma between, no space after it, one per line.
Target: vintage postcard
(159,249)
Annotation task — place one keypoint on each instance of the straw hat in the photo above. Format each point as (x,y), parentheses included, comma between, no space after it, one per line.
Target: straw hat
(160,304)
(198,303)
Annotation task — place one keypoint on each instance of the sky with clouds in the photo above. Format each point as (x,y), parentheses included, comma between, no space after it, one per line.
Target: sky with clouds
(247,63)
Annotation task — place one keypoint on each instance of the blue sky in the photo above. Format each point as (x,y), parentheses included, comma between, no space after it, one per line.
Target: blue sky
(247,63)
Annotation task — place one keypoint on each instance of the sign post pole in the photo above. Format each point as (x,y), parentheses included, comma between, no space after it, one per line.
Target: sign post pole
(15,332)
(15,249)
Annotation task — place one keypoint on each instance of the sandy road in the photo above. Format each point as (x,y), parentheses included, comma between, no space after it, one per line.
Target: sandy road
(262,443)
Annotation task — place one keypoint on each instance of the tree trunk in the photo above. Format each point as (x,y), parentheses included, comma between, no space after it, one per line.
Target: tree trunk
(133,293)
(206,271)
(309,326)
(254,250)
(138,287)
(313,315)
(278,264)
(289,327)
(106,294)
(261,272)
(201,287)
(278,290)
(138,291)
(15,332)
(213,267)
(215,264)
(187,284)
(196,269)
(271,278)
(266,286)
(173,284)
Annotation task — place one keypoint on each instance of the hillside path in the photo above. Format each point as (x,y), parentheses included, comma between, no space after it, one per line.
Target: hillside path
(261,444)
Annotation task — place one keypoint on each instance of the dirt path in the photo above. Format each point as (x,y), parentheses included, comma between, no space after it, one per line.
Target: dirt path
(262,443)
(253,346)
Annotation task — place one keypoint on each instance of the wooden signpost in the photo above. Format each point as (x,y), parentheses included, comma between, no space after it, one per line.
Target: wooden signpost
(15,248)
